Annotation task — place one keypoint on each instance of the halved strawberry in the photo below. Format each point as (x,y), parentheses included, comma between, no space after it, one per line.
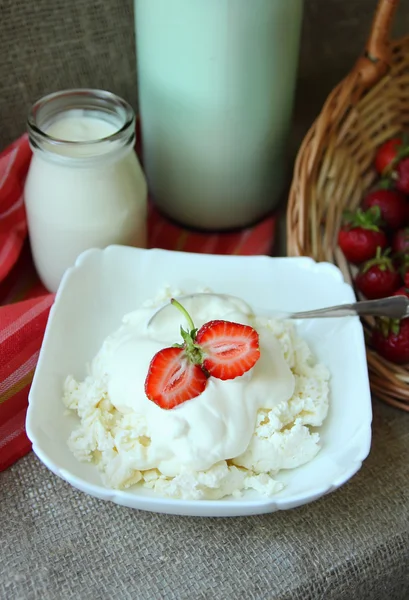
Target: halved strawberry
(172,378)
(229,349)
(220,348)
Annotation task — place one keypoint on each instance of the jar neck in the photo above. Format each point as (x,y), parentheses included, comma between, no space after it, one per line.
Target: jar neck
(81,127)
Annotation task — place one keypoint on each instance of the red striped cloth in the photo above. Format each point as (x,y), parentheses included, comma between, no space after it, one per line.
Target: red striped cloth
(21,334)
(25,303)
(14,163)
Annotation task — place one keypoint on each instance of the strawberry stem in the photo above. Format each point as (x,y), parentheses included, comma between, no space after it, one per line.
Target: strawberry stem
(384,184)
(184,312)
(192,350)
(388,326)
(383,261)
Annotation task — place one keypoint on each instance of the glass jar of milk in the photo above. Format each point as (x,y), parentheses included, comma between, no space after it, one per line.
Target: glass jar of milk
(216,85)
(85,187)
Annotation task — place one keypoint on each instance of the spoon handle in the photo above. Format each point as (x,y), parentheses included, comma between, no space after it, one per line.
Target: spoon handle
(394,307)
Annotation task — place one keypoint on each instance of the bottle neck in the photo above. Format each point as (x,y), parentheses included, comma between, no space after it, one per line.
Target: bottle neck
(81,128)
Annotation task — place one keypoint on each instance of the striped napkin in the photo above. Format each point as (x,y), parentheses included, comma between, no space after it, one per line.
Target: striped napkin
(21,333)
(25,303)
(14,163)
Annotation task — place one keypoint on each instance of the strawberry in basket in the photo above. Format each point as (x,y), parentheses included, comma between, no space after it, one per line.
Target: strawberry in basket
(393,206)
(401,262)
(400,241)
(390,339)
(378,277)
(388,155)
(361,235)
(392,162)
(401,176)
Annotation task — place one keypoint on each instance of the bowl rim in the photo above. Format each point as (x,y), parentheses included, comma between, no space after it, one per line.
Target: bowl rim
(227,506)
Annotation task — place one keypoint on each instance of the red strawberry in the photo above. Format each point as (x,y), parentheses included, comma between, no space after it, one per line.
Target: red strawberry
(220,348)
(173,379)
(386,154)
(402,176)
(229,349)
(378,278)
(401,262)
(392,204)
(391,340)
(400,241)
(402,291)
(360,236)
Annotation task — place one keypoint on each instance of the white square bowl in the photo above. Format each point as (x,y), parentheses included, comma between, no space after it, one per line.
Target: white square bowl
(104,285)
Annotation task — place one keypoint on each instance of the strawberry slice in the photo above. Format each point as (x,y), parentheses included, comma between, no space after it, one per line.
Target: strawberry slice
(173,379)
(229,349)
(223,349)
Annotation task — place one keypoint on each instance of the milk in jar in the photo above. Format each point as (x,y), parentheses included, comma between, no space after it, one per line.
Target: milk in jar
(85,187)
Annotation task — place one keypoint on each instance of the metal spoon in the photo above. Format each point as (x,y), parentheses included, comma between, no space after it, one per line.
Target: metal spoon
(394,307)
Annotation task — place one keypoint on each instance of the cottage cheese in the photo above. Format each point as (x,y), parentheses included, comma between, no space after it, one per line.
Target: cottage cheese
(236,435)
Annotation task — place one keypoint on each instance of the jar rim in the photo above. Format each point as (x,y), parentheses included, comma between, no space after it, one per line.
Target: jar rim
(109,98)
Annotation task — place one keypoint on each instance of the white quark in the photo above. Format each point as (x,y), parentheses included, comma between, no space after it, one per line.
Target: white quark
(236,435)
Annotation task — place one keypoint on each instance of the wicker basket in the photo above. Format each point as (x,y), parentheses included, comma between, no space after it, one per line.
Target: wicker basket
(334,167)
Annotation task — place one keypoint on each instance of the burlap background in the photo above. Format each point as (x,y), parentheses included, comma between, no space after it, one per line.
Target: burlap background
(59,544)
(56,543)
(49,45)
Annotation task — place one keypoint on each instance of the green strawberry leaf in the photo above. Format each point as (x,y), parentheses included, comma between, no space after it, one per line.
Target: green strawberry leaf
(370,219)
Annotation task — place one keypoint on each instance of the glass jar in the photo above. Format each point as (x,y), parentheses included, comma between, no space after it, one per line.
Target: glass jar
(216,85)
(85,187)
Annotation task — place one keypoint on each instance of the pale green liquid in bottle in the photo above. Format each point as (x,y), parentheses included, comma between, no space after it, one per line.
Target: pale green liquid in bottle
(216,87)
